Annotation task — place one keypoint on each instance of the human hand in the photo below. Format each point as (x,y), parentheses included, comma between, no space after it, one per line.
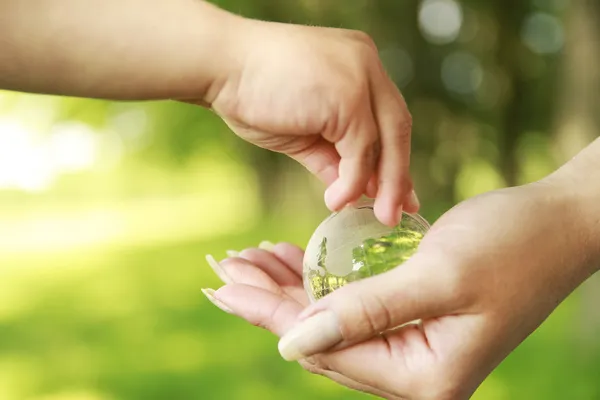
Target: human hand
(264,286)
(486,275)
(321,96)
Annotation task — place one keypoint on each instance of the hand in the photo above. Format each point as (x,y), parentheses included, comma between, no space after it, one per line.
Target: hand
(319,95)
(264,286)
(487,274)
(322,97)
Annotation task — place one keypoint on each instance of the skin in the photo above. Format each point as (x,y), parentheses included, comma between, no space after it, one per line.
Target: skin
(318,95)
(488,273)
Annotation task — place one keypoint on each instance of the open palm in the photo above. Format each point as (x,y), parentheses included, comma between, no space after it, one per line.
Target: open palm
(481,282)
(265,288)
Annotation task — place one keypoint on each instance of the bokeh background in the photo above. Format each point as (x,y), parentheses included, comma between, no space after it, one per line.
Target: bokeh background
(108,209)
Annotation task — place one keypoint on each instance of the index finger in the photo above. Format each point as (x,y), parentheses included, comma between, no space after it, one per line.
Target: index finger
(395,127)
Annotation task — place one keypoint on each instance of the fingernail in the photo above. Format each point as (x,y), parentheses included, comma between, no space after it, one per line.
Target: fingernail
(210,295)
(266,245)
(311,336)
(332,196)
(217,269)
(232,253)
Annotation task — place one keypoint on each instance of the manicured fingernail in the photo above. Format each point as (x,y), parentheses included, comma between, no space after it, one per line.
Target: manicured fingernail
(217,269)
(266,245)
(412,203)
(210,295)
(311,336)
(232,253)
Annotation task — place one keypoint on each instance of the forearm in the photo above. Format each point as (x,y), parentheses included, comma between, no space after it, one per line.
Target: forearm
(115,49)
(578,182)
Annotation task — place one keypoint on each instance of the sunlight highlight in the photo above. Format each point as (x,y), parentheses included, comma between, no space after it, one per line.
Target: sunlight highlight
(31,162)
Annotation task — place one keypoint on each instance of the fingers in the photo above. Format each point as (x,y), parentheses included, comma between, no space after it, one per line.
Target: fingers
(272,266)
(377,146)
(395,123)
(320,158)
(359,151)
(356,312)
(242,271)
(260,307)
(372,187)
(290,255)
(278,269)
(278,315)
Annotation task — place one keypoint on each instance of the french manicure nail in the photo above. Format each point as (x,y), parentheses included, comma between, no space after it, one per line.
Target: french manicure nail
(232,253)
(217,269)
(311,336)
(266,245)
(210,295)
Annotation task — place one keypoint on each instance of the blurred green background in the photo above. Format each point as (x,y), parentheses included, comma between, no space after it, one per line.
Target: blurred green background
(108,209)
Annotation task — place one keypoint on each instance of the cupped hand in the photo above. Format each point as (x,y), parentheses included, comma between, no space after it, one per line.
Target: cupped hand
(322,96)
(487,274)
(264,287)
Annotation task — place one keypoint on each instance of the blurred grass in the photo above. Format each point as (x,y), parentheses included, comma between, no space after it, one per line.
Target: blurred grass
(133,324)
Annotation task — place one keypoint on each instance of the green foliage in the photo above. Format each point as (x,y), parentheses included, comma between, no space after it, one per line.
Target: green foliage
(101,274)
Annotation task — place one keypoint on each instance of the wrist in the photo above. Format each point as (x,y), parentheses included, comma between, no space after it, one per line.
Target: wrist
(210,51)
(239,43)
(576,190)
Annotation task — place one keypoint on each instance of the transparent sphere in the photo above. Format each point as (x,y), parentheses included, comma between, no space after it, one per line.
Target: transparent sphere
(352,244)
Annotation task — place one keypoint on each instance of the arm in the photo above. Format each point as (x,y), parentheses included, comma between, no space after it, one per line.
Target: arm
(579,182)
(486,275)
(279,86)
(115,49)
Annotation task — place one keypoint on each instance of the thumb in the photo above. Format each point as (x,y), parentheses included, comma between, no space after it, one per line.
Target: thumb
(418,289)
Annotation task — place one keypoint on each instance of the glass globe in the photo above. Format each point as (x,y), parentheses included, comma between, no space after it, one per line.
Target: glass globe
(352,244)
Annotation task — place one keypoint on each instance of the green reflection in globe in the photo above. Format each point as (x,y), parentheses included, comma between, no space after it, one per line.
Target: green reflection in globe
(352,245)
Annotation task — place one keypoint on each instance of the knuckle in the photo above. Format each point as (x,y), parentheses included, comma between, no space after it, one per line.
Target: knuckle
(316,365)
(404,127)
(310,367)
(365,45)
(259,323)
(408,119)
(373,314)
(274,313)
(265,320)
(399,134)
(365,39)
